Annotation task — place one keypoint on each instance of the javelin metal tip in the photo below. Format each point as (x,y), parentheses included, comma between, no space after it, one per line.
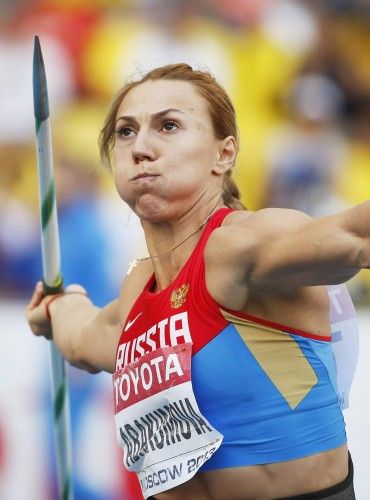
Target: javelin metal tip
(40,89)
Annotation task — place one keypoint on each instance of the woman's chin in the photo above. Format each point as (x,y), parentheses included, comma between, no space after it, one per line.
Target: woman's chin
(151,210)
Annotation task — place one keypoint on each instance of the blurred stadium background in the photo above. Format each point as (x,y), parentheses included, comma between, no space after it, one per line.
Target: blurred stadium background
(299,76)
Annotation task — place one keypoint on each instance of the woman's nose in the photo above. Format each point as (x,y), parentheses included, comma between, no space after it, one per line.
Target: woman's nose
(143,148)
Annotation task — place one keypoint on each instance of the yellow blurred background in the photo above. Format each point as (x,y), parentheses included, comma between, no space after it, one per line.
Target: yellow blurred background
(298,73)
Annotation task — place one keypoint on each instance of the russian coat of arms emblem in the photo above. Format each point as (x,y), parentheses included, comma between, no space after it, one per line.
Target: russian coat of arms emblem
(178,296)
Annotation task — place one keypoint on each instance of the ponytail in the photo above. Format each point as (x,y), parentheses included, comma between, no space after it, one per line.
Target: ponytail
(231,193)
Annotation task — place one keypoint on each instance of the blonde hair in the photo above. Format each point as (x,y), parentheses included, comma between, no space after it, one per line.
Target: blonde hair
(220,107)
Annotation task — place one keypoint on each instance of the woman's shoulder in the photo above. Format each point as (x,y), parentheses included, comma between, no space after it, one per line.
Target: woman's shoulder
(267,216)
(246,230)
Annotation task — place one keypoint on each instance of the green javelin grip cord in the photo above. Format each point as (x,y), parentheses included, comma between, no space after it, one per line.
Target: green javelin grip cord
(53,282)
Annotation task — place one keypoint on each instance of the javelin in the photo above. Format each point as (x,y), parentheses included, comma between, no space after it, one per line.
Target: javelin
(52,278)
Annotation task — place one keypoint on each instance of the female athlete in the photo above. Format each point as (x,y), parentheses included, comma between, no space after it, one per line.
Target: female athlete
(224,381)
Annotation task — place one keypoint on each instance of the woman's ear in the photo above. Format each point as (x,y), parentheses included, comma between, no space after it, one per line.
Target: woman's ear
(226,155)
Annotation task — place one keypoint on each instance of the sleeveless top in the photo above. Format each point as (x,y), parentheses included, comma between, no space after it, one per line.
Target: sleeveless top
(269,389)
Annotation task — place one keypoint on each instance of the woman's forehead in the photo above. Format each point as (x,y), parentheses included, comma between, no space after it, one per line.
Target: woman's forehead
(153,96)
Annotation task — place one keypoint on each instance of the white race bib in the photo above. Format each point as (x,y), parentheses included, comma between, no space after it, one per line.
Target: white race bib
(164,436)
(345,343)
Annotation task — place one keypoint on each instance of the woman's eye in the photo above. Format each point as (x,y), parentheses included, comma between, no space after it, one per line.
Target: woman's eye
(169,125)
(124,132)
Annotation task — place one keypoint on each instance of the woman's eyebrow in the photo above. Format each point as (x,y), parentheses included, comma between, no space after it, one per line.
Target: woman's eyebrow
(160,114)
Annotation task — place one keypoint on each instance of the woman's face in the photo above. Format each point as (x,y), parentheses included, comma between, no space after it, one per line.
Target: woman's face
(165,150)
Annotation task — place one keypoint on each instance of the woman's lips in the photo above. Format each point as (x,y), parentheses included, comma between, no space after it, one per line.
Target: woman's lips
(144,177)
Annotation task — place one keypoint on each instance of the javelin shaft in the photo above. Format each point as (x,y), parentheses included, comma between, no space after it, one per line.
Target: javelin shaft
(52,277)
(49,221)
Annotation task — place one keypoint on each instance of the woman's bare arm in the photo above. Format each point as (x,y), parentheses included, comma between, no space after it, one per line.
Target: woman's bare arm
(86,335)
(282,250)
(295,251)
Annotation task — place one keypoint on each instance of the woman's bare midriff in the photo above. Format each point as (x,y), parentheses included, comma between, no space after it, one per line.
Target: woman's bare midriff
(266,482)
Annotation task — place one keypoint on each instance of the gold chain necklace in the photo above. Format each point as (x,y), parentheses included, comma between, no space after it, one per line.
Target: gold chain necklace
(142,259)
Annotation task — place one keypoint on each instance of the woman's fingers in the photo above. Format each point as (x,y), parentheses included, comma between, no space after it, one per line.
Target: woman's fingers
(37,296)
(36,316)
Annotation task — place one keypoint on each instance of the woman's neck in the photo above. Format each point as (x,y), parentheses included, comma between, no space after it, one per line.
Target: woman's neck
(170,244)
